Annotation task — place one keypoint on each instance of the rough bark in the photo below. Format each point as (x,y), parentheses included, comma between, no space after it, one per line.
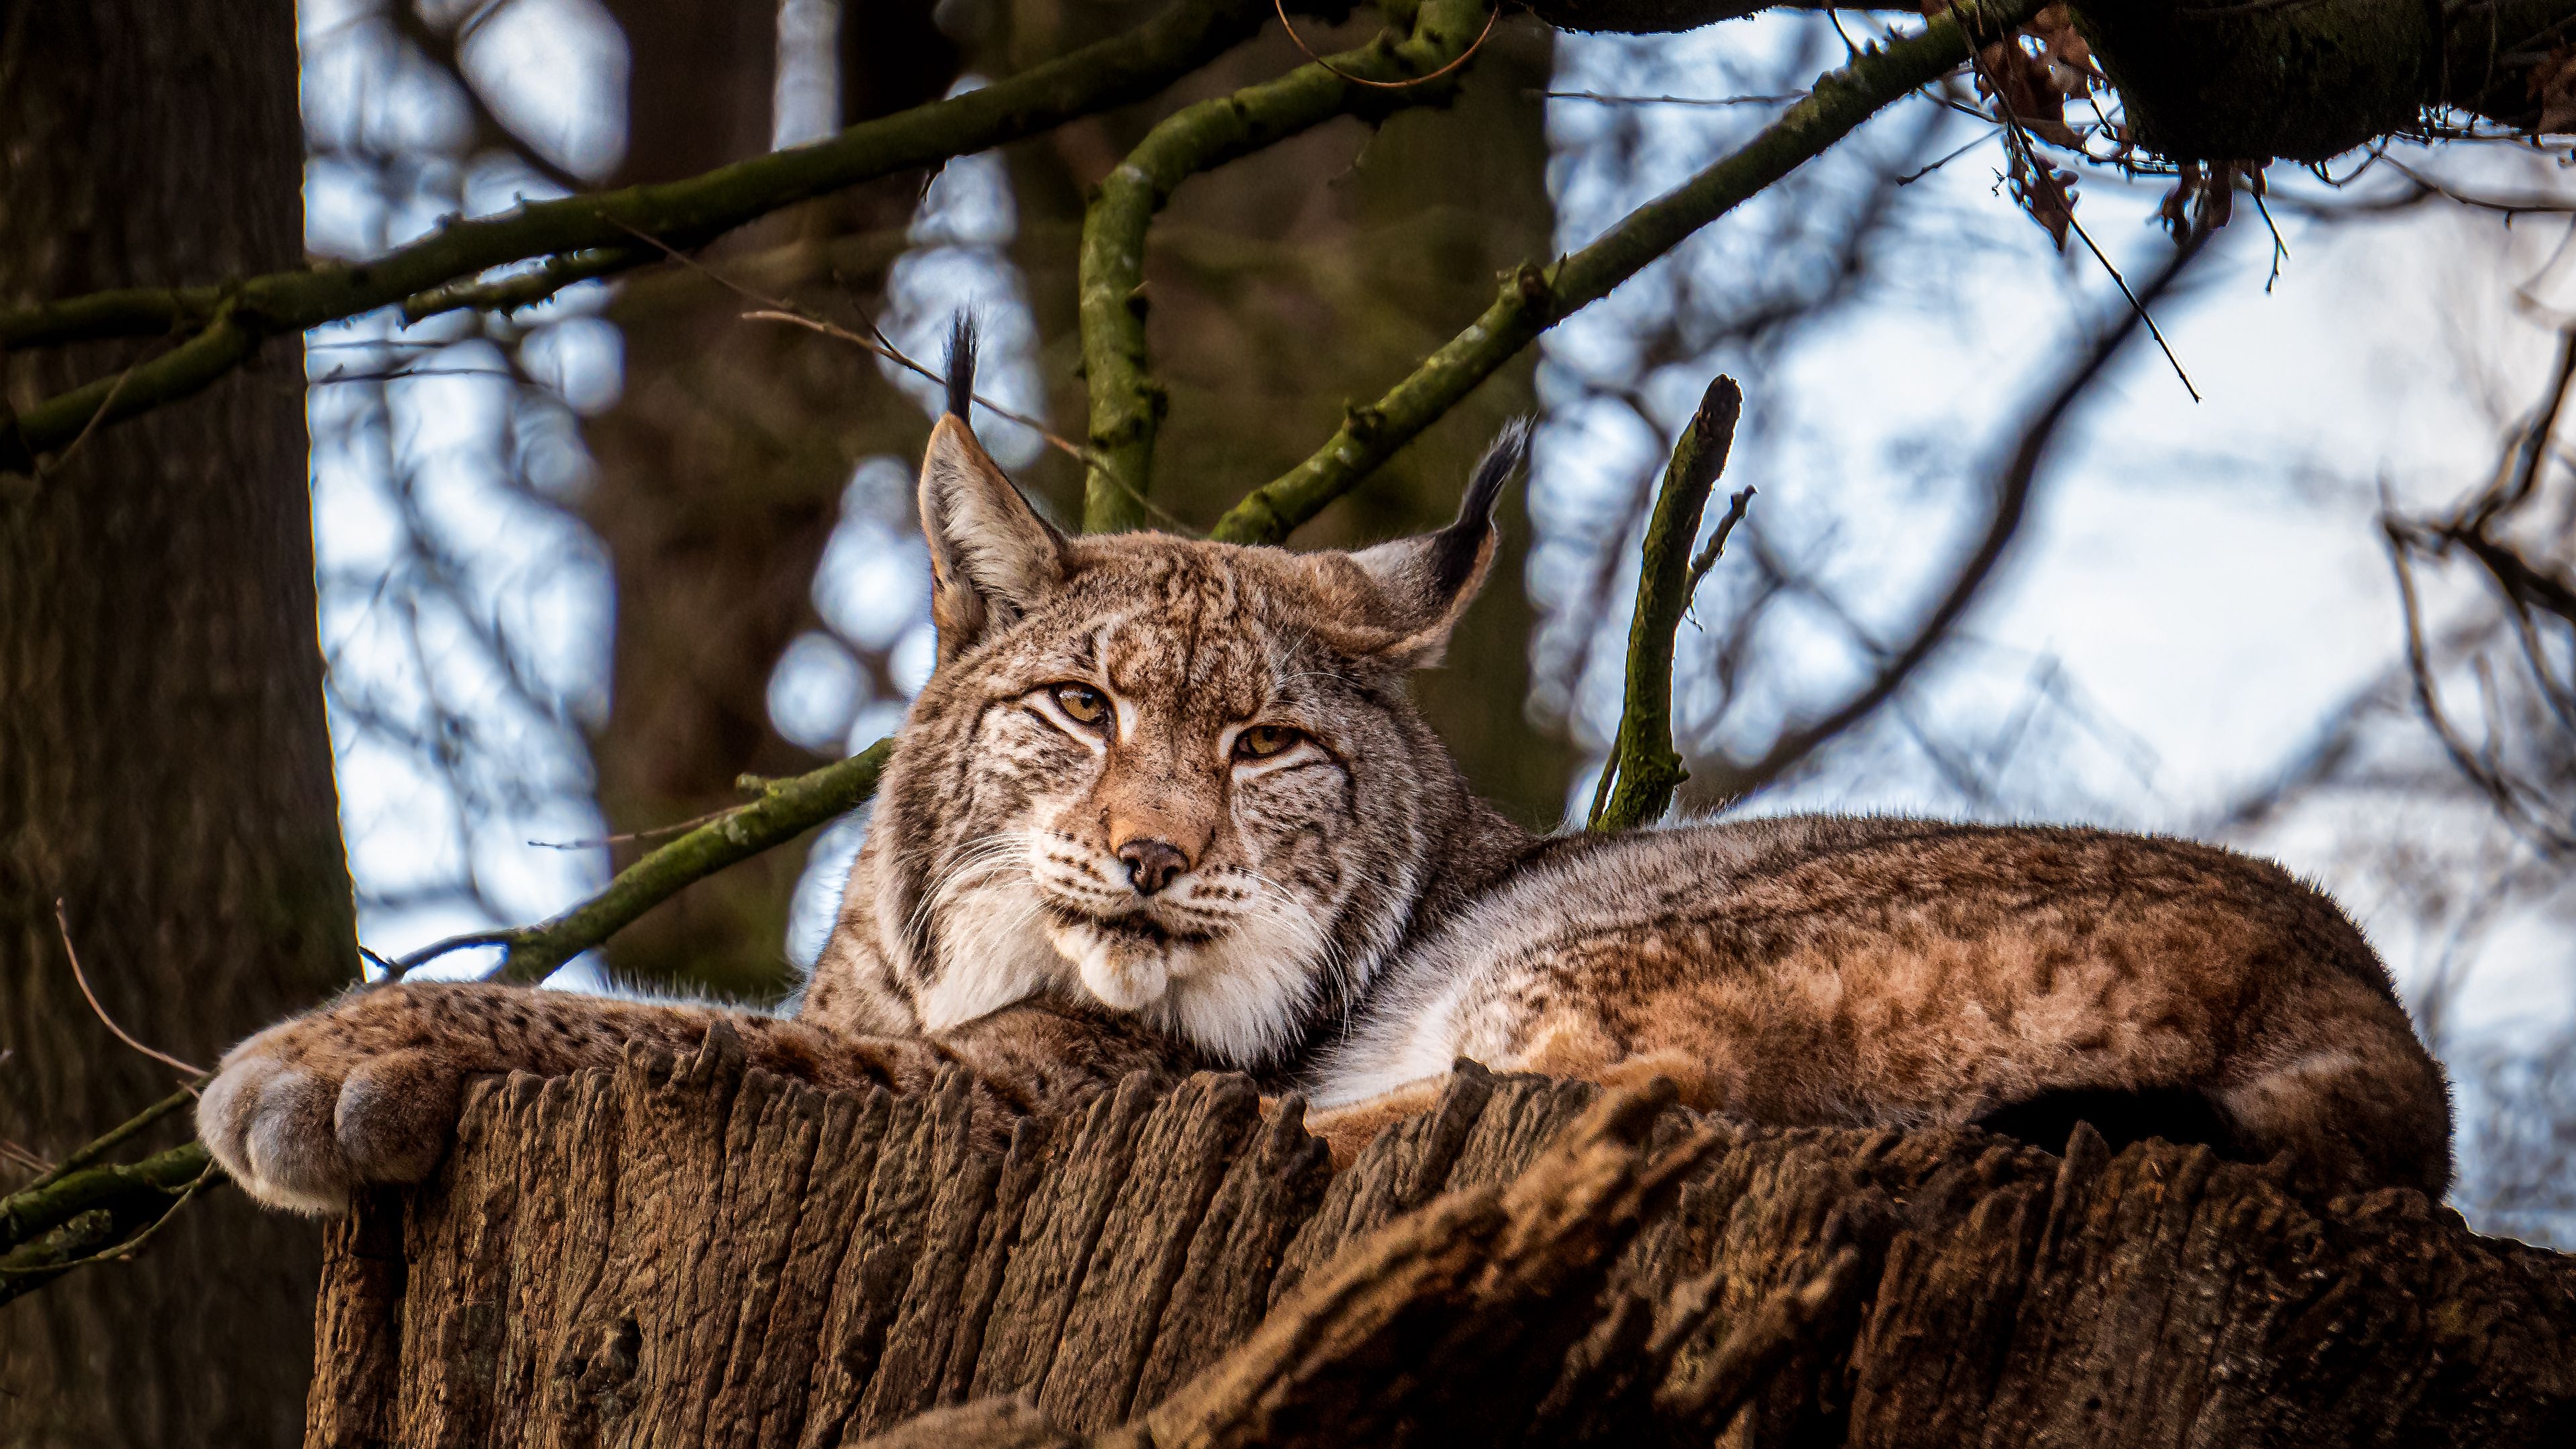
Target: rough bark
(164,768)
(2226,80)
(681,1251)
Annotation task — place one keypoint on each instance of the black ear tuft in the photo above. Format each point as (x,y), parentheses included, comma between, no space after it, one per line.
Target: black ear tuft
(961,366)
(1457,548)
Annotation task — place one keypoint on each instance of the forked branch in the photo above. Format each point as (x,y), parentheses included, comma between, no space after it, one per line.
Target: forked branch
(1126,402)
(81,1214)
(1638,780)
(1538,298)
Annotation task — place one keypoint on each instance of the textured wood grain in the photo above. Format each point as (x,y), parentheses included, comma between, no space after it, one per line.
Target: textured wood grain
(682,1251)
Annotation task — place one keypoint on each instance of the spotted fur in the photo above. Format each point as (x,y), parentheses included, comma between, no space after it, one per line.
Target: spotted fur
(1166,804)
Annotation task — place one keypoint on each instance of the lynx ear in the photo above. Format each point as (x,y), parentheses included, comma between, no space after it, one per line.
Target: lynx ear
(1423,584)
(991,556)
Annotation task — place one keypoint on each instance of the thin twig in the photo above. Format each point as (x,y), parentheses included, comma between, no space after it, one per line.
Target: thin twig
(779,309)
(65,456)
(404,374)
(1910,177)
(1709,556)
(62,922)
(785,810)
(410,961)
(2534,204)
(781,312)
(1610,100)
(650,832)
(2018,140)
(2144,315)
(2280,248)
(1163,518)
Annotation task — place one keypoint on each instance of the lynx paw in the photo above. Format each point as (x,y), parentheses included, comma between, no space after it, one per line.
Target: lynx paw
(299,1115)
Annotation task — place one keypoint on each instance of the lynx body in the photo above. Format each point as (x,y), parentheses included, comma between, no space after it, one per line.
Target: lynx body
(1847,971)
(1165,804)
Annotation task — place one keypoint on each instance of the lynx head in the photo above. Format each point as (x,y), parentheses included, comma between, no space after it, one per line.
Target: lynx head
(1179,779)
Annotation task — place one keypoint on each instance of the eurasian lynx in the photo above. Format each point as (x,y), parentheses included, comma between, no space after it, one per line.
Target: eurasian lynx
(1164,804)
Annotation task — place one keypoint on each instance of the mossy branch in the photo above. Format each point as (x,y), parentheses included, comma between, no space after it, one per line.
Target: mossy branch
(785,810)
(67,1218)
(1638,780)
(1536,298)
(1127,404)
(78,1213)
(589,235)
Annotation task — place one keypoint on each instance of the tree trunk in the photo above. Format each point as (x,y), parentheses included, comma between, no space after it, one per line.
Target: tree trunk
(164,769)
(680,1251)
(721,468)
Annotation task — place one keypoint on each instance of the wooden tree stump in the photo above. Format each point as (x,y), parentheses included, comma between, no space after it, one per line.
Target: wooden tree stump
(682,1252)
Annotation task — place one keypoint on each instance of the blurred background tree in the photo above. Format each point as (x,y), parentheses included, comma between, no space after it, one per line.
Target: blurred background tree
(165,781)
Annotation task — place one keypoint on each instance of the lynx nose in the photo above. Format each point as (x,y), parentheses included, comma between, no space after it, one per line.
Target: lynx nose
(1152,864)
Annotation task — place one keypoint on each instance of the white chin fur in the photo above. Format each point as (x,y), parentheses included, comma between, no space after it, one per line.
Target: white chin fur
(1241,998)
(1127,975)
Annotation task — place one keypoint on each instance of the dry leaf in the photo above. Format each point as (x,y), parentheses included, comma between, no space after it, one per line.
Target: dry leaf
(2046,192)
(2055,28)
(2033,87)
(2204,196)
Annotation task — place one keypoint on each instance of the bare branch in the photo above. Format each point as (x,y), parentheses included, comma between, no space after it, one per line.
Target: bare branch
(785,810)
(62,923)
(1725,780)
(93,1214)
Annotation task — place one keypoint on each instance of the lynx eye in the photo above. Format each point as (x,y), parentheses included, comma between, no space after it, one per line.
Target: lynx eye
(1262,742)
(1081,703)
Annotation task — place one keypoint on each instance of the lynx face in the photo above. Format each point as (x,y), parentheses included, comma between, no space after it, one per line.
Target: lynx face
(1178,779)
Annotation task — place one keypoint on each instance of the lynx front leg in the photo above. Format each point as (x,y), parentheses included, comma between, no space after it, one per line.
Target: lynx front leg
(368,1090)
(1348,1128)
